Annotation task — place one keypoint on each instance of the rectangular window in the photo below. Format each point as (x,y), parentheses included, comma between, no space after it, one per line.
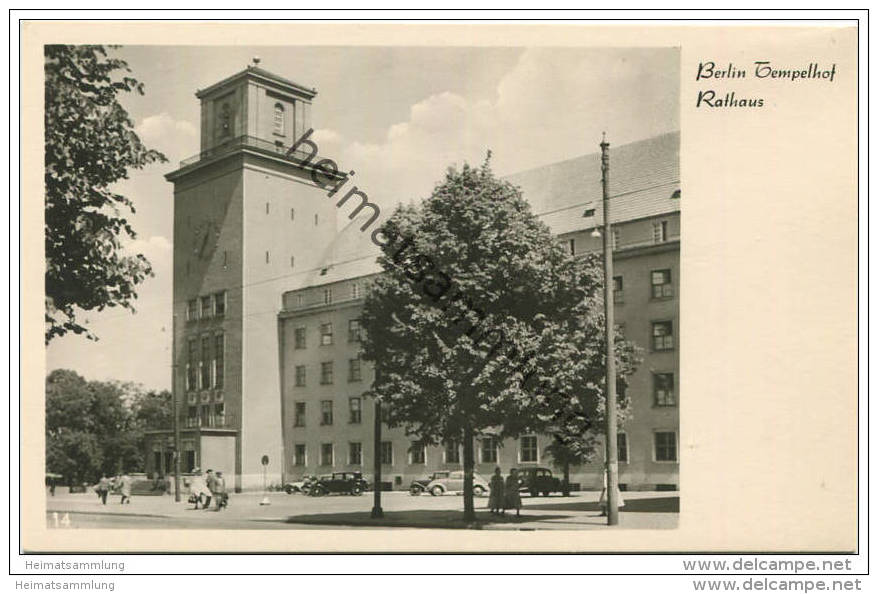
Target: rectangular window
(662,336)
(267,208)
(528,451)
(355,372)
(292,214)
(326,372)
(326,334)
(663,389)
(622,447)
(192,366)
(219,304)
(417,453)
(300,376)
(292,261)
(326,454)
(665,446)
(355,453)
(489,449)
(205,362)
(267,257)
(206,309)
(219,360)
(452,452)
(387,452)
(299,420)
(326,412)
(355,405)
(618,293)
(616,237)
(572,246)
(354,328)
(192,310)
(355,290)
(300,338)
(299,455)
(661,284)
(327,296)
(660,232)
(300,300)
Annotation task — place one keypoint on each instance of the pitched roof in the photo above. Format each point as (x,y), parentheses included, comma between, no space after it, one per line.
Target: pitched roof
(258,72)
(643,177)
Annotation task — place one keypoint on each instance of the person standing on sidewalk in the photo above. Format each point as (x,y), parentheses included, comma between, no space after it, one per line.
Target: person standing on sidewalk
(219,490)
(125,488)
(513,498)
(211,487)
(197,488)
(103,488)
(495,500)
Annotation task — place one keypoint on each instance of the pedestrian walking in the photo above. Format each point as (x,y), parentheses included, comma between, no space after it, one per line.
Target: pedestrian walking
(512,496)
(496,499)
(219,491)
(125,489)
(103,488)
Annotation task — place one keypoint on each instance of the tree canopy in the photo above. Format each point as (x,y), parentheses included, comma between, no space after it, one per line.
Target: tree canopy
(90,145)
(95,427)
(481,324)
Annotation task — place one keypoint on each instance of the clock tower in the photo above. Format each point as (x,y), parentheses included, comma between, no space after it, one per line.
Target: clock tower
(249,223)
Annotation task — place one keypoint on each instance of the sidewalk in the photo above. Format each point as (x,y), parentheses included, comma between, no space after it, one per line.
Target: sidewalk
(581,511)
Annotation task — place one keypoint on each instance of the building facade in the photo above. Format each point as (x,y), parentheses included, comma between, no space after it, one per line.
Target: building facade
(268,287)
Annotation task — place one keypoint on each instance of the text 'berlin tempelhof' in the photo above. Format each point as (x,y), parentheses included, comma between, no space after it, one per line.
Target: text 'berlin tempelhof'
(761,70)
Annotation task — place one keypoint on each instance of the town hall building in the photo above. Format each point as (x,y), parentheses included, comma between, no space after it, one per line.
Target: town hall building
(269,282)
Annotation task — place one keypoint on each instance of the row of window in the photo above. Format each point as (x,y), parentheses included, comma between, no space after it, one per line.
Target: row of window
(664,450)
(206,307)
(327,373)
(663,393)
(659,234)
(355,292)
(326,334)
(355,412)
(660,286)
(205,362)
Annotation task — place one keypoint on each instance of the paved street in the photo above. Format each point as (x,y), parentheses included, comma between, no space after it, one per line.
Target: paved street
(580,511)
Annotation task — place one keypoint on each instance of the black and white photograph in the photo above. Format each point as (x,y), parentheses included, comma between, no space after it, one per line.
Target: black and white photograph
(422,297)
(362,287)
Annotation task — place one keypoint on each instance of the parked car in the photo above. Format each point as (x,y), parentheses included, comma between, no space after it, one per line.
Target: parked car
(419,485)
(348,483)
(453,483)
(300,486)
(536,480)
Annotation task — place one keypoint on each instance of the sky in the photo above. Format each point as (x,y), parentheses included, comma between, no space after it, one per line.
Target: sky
(398,116)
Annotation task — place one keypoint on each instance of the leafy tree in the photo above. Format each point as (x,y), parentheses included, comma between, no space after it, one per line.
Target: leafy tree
(95,427)
(481,324)
(90,144)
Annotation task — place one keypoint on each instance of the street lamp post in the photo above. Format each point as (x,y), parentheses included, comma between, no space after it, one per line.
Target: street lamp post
(609,331)
(176,412)
(377,512)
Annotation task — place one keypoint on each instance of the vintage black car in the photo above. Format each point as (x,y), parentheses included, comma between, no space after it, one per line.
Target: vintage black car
(347,483)
(536,480)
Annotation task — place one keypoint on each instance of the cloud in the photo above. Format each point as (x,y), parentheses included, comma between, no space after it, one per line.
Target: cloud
(552,105)
(175,138)
(156,248)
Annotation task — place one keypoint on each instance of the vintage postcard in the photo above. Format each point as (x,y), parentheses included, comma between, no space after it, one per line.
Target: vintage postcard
(439,287)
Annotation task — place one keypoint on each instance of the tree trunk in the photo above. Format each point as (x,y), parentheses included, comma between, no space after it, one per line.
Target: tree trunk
(566,485)
(469,510)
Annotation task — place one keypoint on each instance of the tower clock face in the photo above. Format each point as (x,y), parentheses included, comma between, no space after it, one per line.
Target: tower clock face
(204,238)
